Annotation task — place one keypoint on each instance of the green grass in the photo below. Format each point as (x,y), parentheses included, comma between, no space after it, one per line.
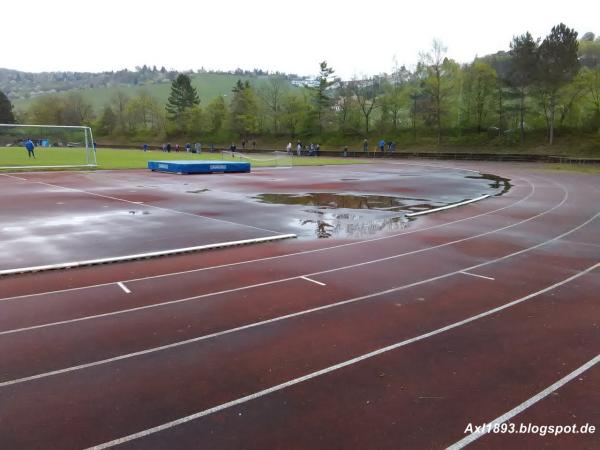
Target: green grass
(136,159)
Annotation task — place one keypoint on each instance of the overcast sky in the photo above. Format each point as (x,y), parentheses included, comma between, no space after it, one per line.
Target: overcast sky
(355,37)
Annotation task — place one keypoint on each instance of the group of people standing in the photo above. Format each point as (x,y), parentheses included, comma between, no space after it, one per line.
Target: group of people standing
(382,145)
(307,149)
(196,148)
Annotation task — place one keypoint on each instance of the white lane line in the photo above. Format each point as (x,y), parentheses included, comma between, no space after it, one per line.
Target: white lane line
(47,167)
(287,255)
(273,320)
(282,280)
(526,404)
(478,276)
(122,286)
(13,176)
(313,281)
(197,216)
(437,166)
(443,208)
(335,367)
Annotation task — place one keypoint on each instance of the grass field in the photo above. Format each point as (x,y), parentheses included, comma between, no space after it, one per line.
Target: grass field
(135,159)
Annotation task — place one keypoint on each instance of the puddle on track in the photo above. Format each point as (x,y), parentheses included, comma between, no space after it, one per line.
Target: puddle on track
(355,215)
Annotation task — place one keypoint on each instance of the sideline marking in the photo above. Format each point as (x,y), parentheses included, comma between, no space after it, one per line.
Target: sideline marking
(277,319)
(283,280)
(443,208)
(478,276)
(122,286)
(287,255)
(313,281)
(338,366)
(526,404)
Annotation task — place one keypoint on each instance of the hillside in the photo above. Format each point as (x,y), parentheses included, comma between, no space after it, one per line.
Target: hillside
(21,87)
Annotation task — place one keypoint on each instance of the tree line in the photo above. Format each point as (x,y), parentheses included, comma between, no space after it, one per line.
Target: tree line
(550,84)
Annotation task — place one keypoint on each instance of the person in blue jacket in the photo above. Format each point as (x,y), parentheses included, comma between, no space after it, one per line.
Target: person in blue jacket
(30,148)
(382,145)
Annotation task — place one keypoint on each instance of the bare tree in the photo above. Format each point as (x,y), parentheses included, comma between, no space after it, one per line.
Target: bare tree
(120,100)
(272,94)
(436,85)
(366,92)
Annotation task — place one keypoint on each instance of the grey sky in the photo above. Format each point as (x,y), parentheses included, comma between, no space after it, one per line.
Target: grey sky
(355,37)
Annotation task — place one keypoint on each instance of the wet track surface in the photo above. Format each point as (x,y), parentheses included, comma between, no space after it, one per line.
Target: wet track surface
(82,216)
(397,339)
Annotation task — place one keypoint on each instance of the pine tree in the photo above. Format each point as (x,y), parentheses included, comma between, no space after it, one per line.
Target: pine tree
(322,99)
(183,96)
(558,65)
(524,51)
(6,112)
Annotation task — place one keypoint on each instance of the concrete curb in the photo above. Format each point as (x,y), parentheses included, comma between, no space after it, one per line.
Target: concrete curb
(95,262)
(442,208)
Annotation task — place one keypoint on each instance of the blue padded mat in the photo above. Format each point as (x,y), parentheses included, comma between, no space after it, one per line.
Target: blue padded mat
(188,167)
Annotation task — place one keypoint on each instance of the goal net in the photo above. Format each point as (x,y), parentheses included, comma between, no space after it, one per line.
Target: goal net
(54,146)
(267,159)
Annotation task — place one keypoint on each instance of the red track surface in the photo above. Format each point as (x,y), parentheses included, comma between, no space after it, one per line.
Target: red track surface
(395,347)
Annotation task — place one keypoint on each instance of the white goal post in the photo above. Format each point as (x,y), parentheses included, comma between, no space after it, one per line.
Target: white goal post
(55,146)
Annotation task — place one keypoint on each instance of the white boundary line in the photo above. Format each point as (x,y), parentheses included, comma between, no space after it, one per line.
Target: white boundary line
(280,318)
(122,286)
(478,276)
(282,280)
(197,248)
(287,255)
(313,281)
(335,367)
(443,208)
(526,404)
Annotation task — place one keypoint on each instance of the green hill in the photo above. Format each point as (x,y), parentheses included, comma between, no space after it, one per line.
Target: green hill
(209,86)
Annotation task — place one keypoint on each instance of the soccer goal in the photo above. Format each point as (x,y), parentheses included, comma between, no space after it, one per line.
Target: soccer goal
(267,159)
(54,146)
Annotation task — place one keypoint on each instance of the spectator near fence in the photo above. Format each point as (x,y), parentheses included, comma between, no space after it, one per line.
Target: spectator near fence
(30,148)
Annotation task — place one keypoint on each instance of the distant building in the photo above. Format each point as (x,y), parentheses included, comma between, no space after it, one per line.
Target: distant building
(300,82)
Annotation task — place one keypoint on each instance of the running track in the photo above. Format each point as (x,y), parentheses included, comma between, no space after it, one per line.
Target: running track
(395,342)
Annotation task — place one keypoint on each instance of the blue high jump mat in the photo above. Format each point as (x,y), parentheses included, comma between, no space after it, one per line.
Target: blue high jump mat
(189,167)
